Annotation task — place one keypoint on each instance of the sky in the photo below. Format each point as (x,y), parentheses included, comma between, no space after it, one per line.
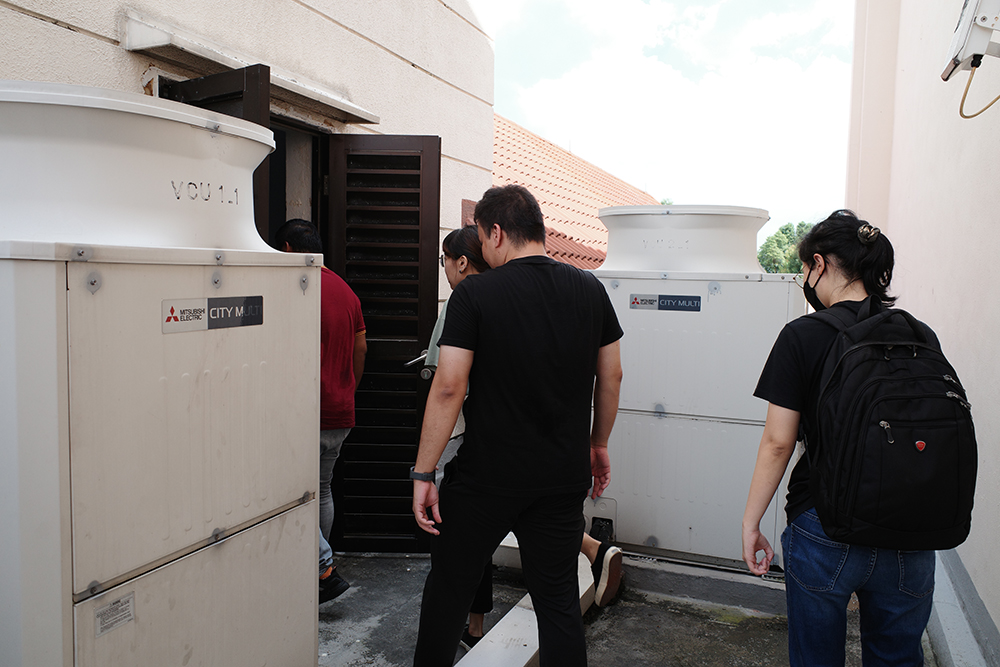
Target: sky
(733,102)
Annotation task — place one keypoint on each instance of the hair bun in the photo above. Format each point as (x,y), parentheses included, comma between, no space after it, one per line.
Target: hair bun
(867,234)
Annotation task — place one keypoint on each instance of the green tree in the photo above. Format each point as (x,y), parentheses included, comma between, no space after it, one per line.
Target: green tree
(666,202)
(779,253)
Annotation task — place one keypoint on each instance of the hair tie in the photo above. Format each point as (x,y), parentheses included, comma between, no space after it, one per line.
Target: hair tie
(867,234)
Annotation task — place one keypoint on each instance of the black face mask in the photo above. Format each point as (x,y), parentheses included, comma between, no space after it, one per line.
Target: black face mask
(810,293)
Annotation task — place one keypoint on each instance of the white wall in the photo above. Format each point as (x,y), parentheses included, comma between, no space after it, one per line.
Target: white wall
(422,66)
(936,180)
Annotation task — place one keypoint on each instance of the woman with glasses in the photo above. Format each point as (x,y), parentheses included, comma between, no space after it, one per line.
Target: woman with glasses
(462,257)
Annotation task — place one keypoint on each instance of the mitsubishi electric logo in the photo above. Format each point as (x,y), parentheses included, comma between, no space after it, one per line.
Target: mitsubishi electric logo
(644,302)
(691,304)
(181,315)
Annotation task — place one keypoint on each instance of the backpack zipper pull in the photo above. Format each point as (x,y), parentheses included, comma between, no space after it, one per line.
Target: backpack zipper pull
(961,400)
(888,430)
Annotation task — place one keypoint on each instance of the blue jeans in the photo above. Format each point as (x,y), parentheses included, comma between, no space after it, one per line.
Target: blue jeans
(894,594)
(330,443)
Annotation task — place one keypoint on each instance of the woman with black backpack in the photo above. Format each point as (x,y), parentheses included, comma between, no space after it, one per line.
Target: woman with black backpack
(845,261)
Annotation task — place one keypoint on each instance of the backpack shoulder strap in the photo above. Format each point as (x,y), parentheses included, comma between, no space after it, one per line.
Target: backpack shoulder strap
(842,319)
(838,318)
(871,315)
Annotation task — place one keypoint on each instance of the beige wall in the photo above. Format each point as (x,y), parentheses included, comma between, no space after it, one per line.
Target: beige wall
(932,180)
(422,66)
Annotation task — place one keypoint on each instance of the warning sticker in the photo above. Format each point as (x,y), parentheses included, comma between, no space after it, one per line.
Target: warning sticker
(115,614)
(178,315)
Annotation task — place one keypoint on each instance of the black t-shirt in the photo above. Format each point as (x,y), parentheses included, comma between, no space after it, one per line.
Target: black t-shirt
(790,379)
(535,326)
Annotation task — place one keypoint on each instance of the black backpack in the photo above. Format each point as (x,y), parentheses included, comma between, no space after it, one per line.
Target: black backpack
(895,462)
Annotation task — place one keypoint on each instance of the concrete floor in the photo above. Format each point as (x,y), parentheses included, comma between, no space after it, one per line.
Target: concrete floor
(666,614)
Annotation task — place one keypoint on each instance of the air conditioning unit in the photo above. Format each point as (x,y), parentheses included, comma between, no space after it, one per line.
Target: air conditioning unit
(700,317)
(158,391)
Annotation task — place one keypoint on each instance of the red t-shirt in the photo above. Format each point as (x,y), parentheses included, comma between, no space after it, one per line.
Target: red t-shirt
(340,322)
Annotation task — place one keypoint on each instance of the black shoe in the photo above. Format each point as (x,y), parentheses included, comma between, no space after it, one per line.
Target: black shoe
(332,587)
(607,569)
(468,641)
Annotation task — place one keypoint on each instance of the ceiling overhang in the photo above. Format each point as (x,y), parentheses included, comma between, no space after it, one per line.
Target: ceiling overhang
(169,43)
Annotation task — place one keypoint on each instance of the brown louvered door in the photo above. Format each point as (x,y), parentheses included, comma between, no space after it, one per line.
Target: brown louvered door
(383,238)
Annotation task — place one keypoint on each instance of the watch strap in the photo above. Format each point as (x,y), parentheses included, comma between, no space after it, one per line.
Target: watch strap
(421,476)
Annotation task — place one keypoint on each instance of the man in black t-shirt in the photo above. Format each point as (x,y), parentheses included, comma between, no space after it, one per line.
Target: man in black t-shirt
(534,341)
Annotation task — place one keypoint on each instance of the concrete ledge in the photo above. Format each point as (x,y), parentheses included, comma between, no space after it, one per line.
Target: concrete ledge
(690,582)
(512,641)
(950,632)
(694,582)
(507,554)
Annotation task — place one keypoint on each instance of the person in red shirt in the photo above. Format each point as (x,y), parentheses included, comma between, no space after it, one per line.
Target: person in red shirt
(342,361)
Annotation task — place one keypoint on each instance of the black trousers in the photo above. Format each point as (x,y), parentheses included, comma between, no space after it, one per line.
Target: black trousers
(483,602)
(549,530)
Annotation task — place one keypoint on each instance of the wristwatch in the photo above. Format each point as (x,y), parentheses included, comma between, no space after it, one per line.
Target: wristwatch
(421,476)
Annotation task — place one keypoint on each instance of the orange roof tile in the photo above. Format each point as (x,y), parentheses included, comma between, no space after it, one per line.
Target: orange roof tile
(569,190)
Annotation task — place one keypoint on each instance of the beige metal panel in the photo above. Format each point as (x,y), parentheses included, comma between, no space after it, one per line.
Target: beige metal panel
(34,467)
(701,363)
(103,254)
(681,484)
(176,435)
(248,600)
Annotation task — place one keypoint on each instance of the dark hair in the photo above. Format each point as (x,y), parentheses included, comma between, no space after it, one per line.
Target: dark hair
(515,210)
(465,242)
(300,235)
(859,251)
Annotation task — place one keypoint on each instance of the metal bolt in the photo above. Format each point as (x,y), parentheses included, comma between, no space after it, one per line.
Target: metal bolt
(81,253)
(218,258)
(982,19)
(93,281)
(216,281)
